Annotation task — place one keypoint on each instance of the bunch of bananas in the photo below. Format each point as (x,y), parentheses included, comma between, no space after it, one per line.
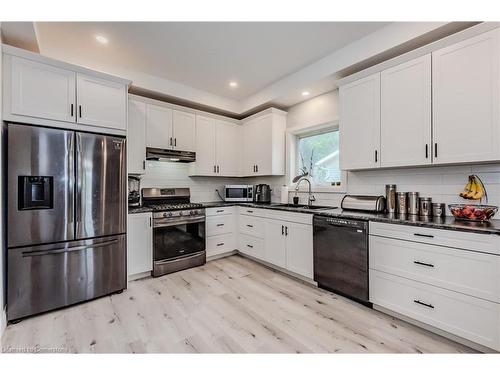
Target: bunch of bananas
(474,189)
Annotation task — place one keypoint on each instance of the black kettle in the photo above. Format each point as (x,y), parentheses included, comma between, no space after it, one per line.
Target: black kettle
(262,193)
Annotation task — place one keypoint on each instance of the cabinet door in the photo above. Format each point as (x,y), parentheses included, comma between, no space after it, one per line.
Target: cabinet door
(263,145)
(139,243)
(406,114)
(228,148)
(205,146)
(136,137)
(274,243)
(40,90)
(250,138)
(360,124)
(466,100)
(299,249)
(183,125)
(158,127)
(101,103)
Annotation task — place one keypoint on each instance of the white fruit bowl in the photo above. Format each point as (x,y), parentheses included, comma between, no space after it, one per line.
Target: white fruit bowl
(473,212)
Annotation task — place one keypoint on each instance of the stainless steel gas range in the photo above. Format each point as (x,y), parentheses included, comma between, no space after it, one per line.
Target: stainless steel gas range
(178,230)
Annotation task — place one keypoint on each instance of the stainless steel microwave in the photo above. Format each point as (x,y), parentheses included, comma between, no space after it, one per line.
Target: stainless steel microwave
(238,193)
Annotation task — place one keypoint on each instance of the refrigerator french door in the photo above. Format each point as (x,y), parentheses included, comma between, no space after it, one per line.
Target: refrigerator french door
(66,218)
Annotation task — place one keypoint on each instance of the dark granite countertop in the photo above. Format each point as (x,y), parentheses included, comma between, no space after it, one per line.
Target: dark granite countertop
(138,210)
(448,222)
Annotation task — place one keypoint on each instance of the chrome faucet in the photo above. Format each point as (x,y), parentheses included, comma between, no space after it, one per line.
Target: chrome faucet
(311,197)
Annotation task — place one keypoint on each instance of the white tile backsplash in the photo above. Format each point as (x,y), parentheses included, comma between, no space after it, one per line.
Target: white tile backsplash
(442,184)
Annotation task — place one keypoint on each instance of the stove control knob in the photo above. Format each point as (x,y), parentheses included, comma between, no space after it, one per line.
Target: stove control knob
(180,213)
(192,212)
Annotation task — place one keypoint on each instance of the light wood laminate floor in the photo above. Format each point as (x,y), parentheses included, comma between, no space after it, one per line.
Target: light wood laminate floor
(230,305)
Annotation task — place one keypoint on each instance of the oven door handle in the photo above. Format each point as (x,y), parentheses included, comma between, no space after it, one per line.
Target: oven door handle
(164,222)
(183,257)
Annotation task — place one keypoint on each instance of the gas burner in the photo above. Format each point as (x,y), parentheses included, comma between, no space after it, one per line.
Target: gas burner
(175,206)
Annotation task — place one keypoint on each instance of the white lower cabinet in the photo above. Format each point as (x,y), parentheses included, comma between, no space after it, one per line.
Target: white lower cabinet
(139,244)
(472,318)
(423,277)
(282,239)
(220,231)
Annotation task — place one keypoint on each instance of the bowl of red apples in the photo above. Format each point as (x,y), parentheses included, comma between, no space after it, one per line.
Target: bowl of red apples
(473,212)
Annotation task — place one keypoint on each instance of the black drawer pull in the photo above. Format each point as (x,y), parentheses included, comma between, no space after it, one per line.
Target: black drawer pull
(423,303)
(423,264)
(250,225)
(220,225)
(220,244)
(250,212)
(282,230)
(220,210)
(423,235)
(250,246)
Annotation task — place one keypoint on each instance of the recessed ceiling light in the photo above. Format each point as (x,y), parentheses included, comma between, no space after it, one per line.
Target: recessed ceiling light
(305,93)
(101,39)
(233,84)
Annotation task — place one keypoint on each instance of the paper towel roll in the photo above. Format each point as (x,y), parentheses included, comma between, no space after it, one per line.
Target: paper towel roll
(284,194)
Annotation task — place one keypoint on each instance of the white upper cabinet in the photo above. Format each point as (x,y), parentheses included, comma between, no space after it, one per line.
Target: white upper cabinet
(360,123)
(136,136)
(264,145)
(228,148)
(183,130)
(39,90)
(466,100)
(44,91)
(158,127)
(101,103)
(406,114)
(205,164)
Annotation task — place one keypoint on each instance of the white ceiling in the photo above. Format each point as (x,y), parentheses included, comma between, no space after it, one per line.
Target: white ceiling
(205,55)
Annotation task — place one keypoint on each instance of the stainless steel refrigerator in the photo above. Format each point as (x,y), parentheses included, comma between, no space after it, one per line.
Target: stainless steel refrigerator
(66,211)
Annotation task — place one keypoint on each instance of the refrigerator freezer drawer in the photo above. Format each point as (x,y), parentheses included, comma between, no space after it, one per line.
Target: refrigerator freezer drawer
(51,276)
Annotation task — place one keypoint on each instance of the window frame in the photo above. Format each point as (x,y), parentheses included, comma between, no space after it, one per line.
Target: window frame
(293,136)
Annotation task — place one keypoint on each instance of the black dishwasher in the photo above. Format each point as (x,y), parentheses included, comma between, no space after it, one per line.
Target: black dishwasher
(341,256)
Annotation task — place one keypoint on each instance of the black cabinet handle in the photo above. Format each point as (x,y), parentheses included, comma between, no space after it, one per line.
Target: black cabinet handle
(218,171)
(423,235)
(250,211)
(257,168)
(286,231)
(250,225)
(426,151)
(423,303)
(220,225)
(250,246)
(282,230)
(423,264)
(435,150)
(71,109)
(149,221)
(170,141)
(144,165)
(80,111)
(220,210)
(215,169)
(376,156)
(220,244)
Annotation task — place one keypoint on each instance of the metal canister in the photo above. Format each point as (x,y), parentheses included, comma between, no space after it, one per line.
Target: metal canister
(390,198)
(402,199)
(425,207)
(438,209)
(413,203)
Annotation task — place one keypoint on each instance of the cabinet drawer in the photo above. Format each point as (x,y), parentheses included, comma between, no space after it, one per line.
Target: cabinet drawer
(294,217)
(253,226)
(220,244)
(487,243)
(472,273)
(213,211)
(471,318)
(251,246)
(250,211)
(216,225)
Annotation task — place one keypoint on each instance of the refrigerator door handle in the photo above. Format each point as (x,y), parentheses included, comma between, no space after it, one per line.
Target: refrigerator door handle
(78,184)
(67,249)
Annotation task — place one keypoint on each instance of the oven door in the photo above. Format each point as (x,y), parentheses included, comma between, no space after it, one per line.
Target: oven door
(180,238)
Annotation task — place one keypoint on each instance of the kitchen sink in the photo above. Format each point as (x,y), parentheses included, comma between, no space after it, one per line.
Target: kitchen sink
(303,206)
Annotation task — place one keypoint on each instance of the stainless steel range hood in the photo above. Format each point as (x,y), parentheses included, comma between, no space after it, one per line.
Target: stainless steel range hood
(160,154)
